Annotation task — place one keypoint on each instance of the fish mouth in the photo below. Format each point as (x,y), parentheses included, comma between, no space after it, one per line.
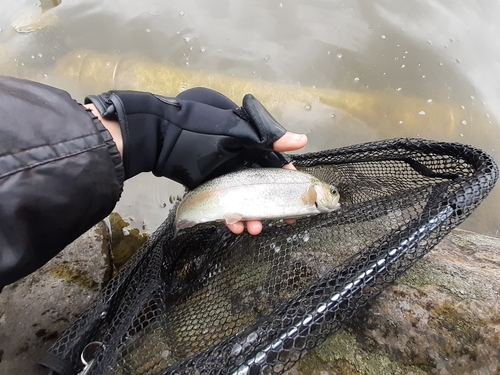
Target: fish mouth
(333,206)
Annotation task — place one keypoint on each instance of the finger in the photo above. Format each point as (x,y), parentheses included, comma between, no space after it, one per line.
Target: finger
(289,166)
(290,221)
(236,228)
(290,142)
(254,227)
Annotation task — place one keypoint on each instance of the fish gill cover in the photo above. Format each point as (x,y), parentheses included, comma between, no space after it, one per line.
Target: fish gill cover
(210,302)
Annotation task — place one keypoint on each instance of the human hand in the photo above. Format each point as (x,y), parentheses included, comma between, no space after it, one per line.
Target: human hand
(197,136)
(192,138)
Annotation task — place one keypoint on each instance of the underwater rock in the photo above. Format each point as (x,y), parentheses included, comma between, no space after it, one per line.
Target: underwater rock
(441,317)
(35,310)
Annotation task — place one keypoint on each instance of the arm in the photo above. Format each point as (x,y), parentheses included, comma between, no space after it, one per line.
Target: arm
(60,173)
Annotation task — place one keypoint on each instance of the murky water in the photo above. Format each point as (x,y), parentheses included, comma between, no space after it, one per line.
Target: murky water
(381,69)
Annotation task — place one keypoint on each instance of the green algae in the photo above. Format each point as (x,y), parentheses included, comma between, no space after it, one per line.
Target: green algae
(343,354)
(431,273)
(72,273)
(123,246)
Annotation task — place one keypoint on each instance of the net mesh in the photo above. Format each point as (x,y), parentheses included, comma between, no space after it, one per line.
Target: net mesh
(210,302)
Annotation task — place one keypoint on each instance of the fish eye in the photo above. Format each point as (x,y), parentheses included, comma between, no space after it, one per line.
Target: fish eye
(333,190)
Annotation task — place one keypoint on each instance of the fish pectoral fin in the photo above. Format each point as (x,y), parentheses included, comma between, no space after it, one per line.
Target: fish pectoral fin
(183,224)
(232,218)
(310,196)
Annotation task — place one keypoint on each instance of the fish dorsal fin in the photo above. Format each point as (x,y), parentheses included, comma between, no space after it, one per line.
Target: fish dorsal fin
(310,196)
(232,218)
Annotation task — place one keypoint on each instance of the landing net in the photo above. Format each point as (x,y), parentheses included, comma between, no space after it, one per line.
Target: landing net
(210,302)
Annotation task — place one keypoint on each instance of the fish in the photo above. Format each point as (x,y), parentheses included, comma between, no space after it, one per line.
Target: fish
(256,194)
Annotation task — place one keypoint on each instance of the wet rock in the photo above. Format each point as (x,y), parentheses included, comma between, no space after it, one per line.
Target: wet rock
(441,317)
(35,310)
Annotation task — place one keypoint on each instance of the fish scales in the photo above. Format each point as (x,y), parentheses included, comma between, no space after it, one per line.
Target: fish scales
(256,194)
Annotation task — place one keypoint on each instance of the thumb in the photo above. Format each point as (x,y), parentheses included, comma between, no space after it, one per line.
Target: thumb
(290,142)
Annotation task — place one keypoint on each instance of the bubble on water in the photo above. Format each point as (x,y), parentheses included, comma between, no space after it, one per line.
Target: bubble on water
(472,97)
(79,56)
(458,61)
(332,115)
(267,57)
(182,88)
(429,101)
(32,56)
(187,62)
(383,36)
(294,237)
(277,249)
(187,39)
(461,135)
(423,76)
(356,79)
(402,66)
(289,239)
(440,64)
(400,122)
(45,75)
(328,52)
(218,50)
(148,30)
(398,89)
(156,9)
(306,237)
(108,63)
(421,113)
(272,245)
(181,13)
(464,122)
(462,106)
(307,107)
(40,55)
(281,5)
(339,55)
(203,49)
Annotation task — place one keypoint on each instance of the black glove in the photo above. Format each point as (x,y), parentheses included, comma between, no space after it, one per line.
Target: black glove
(197,136)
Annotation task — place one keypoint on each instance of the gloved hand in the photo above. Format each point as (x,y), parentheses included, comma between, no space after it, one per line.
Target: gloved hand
(197,136)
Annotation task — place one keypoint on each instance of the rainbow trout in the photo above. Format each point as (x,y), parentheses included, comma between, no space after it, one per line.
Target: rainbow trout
(256,194)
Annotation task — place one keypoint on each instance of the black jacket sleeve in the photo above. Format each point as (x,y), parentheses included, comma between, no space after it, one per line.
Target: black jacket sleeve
(60,173)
